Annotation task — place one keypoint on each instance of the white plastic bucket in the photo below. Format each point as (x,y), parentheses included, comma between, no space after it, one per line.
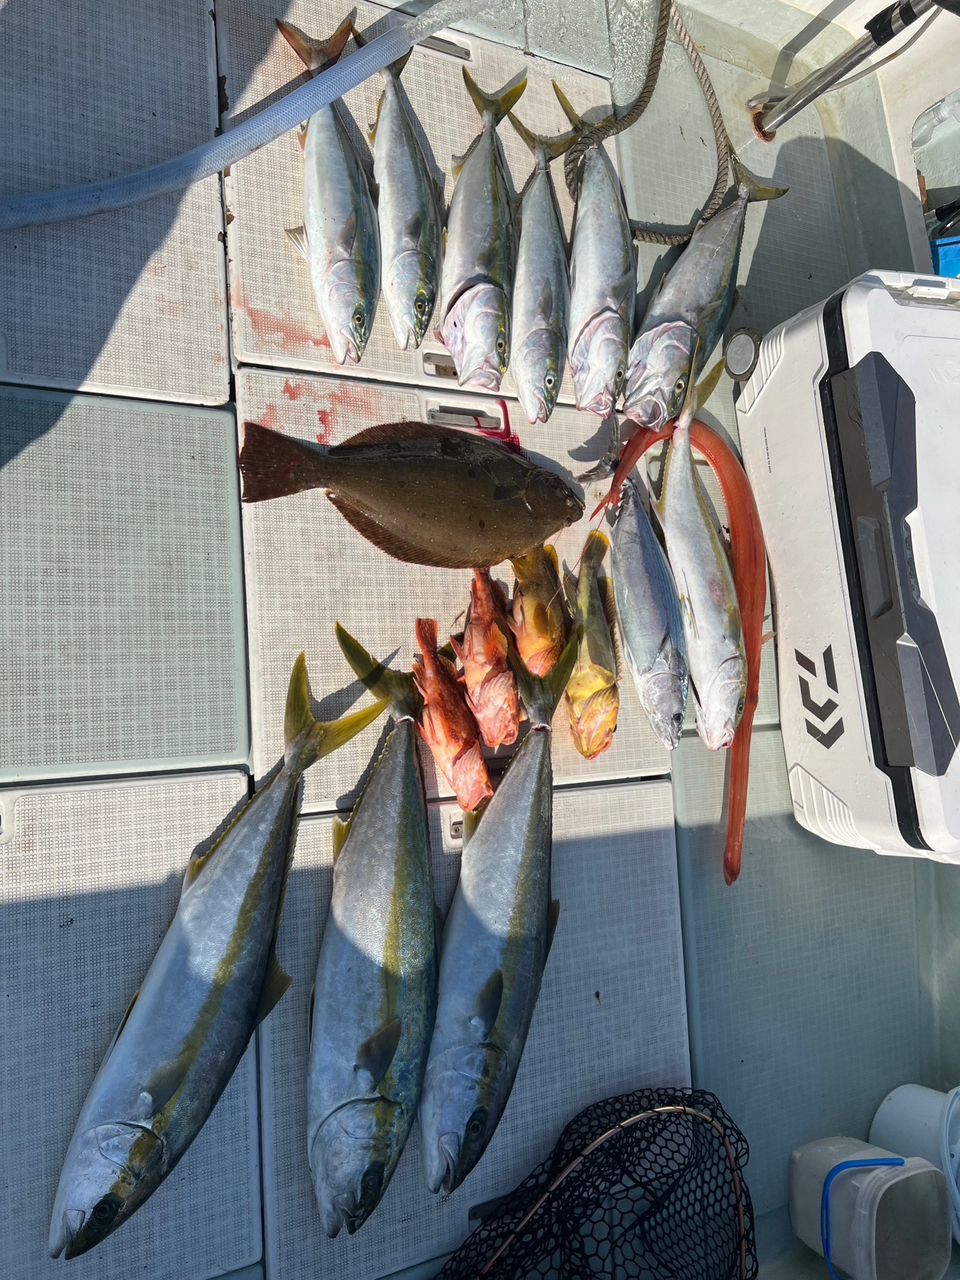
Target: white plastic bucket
(910,1120)
(886,1222)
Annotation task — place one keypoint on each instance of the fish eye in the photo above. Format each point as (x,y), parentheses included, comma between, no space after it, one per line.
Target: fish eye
(740,707)
(105,1211)
(501,345)
(477,1123)
(678,719)
(358,319)
(549,381)
(370,1184)
(618,377)
(419,305)
(680,386)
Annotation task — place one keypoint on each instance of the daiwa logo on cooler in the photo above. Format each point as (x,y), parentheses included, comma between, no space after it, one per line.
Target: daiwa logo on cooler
(819,727)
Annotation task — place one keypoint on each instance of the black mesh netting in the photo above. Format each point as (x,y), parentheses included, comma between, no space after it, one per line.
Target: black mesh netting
(648,1185)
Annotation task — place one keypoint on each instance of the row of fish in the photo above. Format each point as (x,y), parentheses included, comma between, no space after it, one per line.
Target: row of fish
(500,288)
(387,1017)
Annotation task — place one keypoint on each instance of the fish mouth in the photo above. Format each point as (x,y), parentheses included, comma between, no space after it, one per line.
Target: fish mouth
(600,404)
(349,352)
(482,375)
(647,411)
(540,413)
(443,1175)
(63,1234)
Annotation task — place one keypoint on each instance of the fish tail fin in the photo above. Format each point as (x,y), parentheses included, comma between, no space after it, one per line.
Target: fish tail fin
(396,687)
(569,110)
(541,696)
(754,187)
(594,549)
(305,738)
(427,635)
(315,54)
(273,465)
(498,105)
(551,148)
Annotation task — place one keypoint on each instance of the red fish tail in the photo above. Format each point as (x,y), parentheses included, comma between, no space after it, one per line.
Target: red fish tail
(427,636)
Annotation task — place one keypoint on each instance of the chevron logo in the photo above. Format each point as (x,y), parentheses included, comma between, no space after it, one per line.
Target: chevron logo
(823,712)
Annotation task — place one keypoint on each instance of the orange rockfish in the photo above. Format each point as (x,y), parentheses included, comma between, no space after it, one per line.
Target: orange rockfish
(490,684)
(447,725)
(592,699)
(539,615)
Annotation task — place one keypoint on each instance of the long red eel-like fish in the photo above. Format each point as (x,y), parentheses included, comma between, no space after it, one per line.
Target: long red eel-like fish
(748,560)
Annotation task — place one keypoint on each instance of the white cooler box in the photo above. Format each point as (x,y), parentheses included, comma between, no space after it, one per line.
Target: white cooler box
(850,430)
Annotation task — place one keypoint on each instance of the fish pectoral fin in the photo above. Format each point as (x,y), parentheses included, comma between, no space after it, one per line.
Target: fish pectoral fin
(553,918)
(298,238)
(488,1004)
(275,986)
(388,540)
(375,123)
(378,1051)
(165,1082)
(347,236)
(341,829)
(123,1021)
(545,302)
(413,231)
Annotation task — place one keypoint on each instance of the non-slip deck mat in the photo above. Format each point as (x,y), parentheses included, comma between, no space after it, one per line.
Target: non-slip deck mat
(131,302)
(805,979)
(121,632)
(610,1018)
(89,880)
(274,315)
(308,569)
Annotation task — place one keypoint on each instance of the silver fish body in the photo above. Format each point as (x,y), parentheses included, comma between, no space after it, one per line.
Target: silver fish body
(375,993)
(649,617)
(495,946)
(541,298)
(708,599)
(410,218)
(687,316)
(603,287)
(478,265)
(342,236)
(213,978)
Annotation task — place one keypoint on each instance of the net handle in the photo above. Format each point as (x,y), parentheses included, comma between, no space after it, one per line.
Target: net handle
(604,1137)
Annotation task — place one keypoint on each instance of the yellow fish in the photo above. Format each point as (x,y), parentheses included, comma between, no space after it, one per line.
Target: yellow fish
(539,618)
(592,698)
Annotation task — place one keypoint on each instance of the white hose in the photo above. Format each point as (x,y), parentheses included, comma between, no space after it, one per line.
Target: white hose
(241,139)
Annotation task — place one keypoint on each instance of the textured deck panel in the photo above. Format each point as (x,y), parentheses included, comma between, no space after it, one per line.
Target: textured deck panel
(121,640)
(307,569)
(807,1003)
(275,320)
(89,879)
(131,302)
(610,1018)
(571,31)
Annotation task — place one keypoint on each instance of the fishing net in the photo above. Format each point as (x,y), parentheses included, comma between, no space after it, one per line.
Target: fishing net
(648,1185)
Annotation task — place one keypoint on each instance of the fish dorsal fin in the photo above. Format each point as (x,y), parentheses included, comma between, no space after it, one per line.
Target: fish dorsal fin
(125,1019)
(275,985)
(488,1004)
(413,231)
(550,551)
(164,1082)
(375,125)
(545,302)
(458,163)
(398,433)
(553,919)
(347,235)
(570,590)
(388,540)
(378,1051)
(196,865)
(298,238)
(341,830)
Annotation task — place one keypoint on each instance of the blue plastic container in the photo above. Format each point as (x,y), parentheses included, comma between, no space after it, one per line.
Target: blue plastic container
(946,256)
